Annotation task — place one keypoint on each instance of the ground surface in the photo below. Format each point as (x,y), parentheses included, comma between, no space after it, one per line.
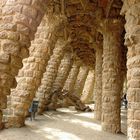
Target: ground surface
(65,124)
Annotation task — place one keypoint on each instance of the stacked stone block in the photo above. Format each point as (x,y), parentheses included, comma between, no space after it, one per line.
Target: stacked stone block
(111,78)
(58,84)
(87,94)
(80,81)
(20,20)
(70,82)
(63,71)
(131,9)
(30,75)
(51,73)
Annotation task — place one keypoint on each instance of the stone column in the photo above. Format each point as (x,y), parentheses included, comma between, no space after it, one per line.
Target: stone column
(111,77)
(20,20)
(1,96)
(80,81)
(131,9)
(50,74)
(87,94)
(98,83)
(63,72)
(70,82)
(29,77)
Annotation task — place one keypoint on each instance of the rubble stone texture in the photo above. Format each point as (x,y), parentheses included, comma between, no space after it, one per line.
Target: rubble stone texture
(71,79)
(70,82)
(80,81)
(1,100)
(111,78)
(57,96)
(98,83)
(51,73)
(61,77)
(30,75)
(19,24)
(63,71)
(131,9)
(87,94)
(81,21)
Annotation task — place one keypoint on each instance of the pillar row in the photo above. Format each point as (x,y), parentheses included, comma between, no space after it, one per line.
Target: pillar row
(50,75)
(98,83)
(132,39)
(30,75)
(61,76)
(80,81)
(87,94)
(70,82)
(20,20)
(111,76)
(63,71)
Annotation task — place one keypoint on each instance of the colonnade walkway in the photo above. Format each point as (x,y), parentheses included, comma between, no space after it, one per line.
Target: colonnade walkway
(63,124)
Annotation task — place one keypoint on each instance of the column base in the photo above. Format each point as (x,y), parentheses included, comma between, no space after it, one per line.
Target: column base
(111,128)
(15,122)
(97,116)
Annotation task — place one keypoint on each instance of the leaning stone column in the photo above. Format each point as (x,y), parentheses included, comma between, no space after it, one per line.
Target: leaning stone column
(70,82)
(30,75)
(63,71)
(87,94)
(62,75)
(111,76)
(131,9)
(20,20)
(98,83)
(50,74)
(80,81)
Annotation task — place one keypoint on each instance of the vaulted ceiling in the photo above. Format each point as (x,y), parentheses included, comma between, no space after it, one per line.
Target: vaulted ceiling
(83,21)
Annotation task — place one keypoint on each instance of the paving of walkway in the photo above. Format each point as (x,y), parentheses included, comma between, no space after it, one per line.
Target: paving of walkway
(64,124)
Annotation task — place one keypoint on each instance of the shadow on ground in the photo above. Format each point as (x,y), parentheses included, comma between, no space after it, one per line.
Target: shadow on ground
(63,124)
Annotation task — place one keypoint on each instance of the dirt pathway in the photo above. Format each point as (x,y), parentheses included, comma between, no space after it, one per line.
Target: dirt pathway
(64,124)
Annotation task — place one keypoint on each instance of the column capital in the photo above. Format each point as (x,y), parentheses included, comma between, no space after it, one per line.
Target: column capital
(113,25)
